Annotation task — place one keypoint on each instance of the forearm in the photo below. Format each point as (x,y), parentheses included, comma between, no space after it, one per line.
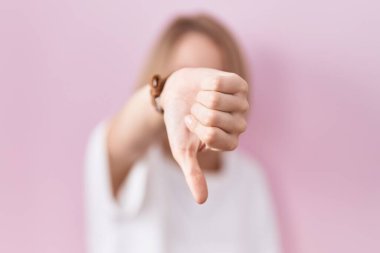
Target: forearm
(130,133)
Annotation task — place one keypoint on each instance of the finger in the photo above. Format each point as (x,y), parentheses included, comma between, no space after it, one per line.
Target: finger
(194,176)
(229,83)
(228,122)
(222,101)
(214,138)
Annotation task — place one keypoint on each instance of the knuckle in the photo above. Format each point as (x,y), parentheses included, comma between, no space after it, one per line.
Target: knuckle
(211,119)
(214,101)
(182,149)
(244,86)
(232,145)
(217,83)
(210,137)
(242,126)
(245,106)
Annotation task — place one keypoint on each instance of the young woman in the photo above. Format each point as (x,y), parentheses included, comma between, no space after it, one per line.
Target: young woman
(141,163)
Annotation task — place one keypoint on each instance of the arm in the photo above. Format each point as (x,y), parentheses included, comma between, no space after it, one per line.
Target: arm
(204,108)
(130,133)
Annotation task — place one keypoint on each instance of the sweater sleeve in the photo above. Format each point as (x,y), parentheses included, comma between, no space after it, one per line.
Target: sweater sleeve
(102,209)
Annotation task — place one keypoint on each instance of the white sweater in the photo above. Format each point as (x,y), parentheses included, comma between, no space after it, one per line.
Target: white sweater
(156,213)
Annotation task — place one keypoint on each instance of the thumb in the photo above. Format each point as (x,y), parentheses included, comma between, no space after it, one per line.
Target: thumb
(194,176)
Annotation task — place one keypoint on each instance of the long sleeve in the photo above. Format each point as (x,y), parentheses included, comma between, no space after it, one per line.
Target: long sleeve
(102,209)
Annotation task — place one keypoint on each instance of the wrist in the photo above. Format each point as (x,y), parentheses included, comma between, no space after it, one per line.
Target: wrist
(163,95)
(159,90)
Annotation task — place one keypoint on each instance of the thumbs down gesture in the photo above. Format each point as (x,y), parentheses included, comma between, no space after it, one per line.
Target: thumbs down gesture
(204,109)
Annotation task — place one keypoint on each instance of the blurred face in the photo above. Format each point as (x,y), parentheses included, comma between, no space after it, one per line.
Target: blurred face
(195,50)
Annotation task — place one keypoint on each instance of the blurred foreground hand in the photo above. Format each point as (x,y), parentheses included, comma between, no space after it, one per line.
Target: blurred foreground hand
(204,109)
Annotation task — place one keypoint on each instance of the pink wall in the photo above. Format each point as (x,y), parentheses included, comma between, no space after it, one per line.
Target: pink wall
(65,65)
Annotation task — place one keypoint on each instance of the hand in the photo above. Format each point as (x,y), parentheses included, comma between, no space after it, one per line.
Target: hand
(204,109)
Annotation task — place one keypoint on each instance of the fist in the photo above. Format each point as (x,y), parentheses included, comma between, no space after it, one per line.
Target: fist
(205,109)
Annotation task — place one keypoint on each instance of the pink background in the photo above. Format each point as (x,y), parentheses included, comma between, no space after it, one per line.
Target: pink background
(66,65)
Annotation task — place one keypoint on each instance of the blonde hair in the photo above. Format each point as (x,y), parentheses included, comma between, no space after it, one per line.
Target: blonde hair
(204,24)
